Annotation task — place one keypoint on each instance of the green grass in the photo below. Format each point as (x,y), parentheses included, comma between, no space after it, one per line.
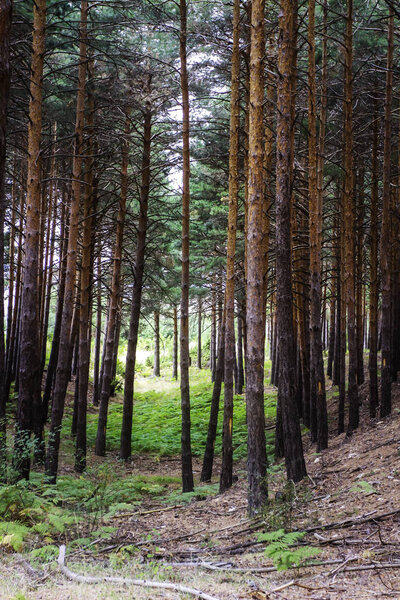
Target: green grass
(157,418)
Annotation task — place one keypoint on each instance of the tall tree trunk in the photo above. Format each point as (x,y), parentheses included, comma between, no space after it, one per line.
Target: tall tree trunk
(13,344)
(342,328)
(11,281)
(386,376)
(208,459)
(5,28)
(186,447)
(62,372)
(359,278)
(349,224)
(374,282)
(213,336)
(227,449)
(315,223)
(107,376)
(294,459)
(47,300)
(175,346)
(52,364)
(126,429)
(156,370)
(239,383)
(257,457)
(199,332)
(85,287)
(29,398)
(96,367)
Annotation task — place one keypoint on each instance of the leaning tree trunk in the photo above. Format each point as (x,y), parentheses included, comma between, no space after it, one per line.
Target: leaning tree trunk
(5,26)
(29,398)
(295,465)
(126,429)
(386,324)
(317,381)
(63,362)
(257,457)
(208,459)
(227,449)
(186,447)
(107,375)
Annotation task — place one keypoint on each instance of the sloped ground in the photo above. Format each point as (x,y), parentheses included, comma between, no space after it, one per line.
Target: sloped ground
(350,506)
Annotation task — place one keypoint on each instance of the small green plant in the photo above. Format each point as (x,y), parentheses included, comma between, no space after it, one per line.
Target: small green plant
(12,535)
(281,552)
(199,493)
(363,487)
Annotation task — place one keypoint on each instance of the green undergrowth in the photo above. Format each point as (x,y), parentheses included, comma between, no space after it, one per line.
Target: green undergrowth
(157,419)
(75,510)
(282,548)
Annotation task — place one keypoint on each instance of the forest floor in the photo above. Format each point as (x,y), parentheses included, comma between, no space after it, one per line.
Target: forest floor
(349,509)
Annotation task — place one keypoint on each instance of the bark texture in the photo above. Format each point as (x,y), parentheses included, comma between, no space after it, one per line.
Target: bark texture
(257,458)
(386,376)
(294,459)
(126,429)
(63,362)
(5,28)
(227,449)
(186,447)
(29,398)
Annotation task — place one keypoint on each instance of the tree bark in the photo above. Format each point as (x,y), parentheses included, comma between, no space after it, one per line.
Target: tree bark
(257,457)
(208,459)
(62,372)
(107,375)
(96,367)
(5,30)
(199,332)
(29,397)
(349,223)
(126,429)
(239,383)
(374,282)
(52,364)
(156,370)
(85,287)
(294,459)
(386,324)
(317,374)
(227,449)
(186,447)
(175,346)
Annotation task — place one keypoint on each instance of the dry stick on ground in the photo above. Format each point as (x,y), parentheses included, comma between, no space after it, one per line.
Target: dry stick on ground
(121,580)
(240,547)
(368,567)
(147,512)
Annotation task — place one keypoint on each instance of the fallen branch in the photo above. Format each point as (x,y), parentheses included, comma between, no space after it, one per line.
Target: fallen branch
(121,580)
(368,567)
(34,573)
(139,513)
(349,522)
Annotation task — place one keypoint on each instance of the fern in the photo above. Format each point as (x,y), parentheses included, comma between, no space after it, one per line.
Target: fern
(12,535)
(280,551)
